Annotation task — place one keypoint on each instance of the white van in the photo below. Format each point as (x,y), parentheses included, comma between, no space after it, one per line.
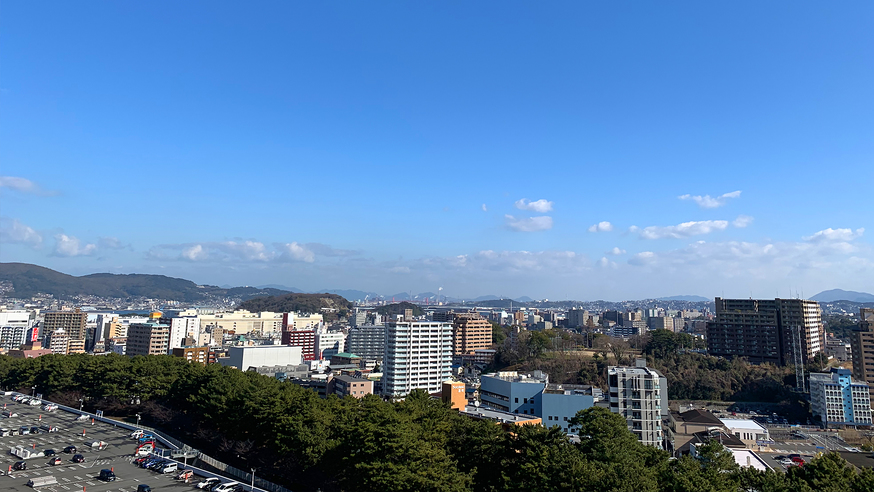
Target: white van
(171,467)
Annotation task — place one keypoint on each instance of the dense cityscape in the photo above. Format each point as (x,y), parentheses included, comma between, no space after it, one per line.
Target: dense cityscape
(436,246)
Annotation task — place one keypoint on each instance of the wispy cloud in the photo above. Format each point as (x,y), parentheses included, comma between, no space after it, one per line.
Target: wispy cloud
(686,229)
(742,221)
(485,208)
(69,246)
(540,206)
(835,235)
(24,185)
(245,251)
(529,224)
(601,227)
(708,201)
(616,251)
(14,232)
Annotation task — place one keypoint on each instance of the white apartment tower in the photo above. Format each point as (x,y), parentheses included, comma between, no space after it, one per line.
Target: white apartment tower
(640,394)
(418,355)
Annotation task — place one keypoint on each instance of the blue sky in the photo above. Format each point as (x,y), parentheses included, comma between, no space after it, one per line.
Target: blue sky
(394,146)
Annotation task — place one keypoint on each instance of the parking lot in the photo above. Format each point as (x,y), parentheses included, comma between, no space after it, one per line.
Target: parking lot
(74,477)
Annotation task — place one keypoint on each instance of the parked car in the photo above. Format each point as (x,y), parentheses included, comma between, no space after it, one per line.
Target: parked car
(78,458)
(20,465)
(70,449)
(34,430)
(137,434)
(56,461)
(49,452)
(171,467)
(208,483)
(51,407)
(185,475)
(107,475)
(24,430)
(226,487)
(4,432)
(9,414)
(143,488)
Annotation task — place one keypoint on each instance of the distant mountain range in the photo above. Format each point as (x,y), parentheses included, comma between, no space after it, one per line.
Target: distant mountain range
(843,295)
(686,298)
(28,280)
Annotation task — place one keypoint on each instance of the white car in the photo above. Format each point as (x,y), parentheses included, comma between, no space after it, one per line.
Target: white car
(226,487)
(136,434)
(207,483)
(51,407)
(786,462)
(854,450)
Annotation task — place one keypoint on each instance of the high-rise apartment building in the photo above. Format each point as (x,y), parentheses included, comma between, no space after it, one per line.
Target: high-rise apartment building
(366,341)
(72,322)
(470,332)
(305,339)
(329,343)
(147,339)
(577,317)
(766,330)
(418,355)
(640,395)
(862,343)
(12,337)
(837,399)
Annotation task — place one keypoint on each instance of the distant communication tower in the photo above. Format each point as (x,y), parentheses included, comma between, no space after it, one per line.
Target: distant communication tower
(798,358)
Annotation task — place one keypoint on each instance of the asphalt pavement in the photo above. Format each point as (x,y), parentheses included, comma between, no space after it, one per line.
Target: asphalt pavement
(75,477)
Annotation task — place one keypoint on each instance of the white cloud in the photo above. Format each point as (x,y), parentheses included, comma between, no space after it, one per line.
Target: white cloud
(616,251)
(686,229)
(529,224)
(540,206)
(601,227)
(195,253)
(606,263)
(707,201)
(23,185)
(399,269)
(298,252)
(485,208)
(742,221)
(110,243)
(835,235)
(14,232)
(68,246)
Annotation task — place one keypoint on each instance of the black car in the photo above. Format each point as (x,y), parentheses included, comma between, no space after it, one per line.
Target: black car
(107,475)
(70,449)
(34,430)
(143,488)
(20,465)
(49,452)
(78,458)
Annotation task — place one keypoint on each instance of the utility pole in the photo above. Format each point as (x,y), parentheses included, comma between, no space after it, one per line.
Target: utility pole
(252,487)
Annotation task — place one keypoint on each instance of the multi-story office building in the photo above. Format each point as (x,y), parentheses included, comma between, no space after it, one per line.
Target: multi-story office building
(16,328)
(418,355)
(640,394)
(470,332)
(305,339)
(661,323)
(367,341)
(837,399)
(182,327)
(329,343)
(352,386)
(532,394)
(358,317)
(766,330)
(242,322)
(148,339)
(577,318)
(72,322)
(244,358)
(862,343)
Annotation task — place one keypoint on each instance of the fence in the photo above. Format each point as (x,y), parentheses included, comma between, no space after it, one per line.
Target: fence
(242,476)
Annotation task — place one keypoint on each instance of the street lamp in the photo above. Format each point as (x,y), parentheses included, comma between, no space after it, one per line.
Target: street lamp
(138,421)
(33,391)
(252,487)
(81,404)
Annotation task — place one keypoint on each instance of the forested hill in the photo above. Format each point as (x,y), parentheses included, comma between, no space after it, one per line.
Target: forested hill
(28,280)
(333,304)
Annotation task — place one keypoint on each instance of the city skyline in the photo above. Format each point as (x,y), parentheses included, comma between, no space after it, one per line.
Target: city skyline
(564,151)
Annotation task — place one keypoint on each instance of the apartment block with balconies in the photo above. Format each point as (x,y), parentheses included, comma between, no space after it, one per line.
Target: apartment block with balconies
(640,395)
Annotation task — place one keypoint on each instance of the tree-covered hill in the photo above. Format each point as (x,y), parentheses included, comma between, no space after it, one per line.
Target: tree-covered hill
(28,280)
(303,303)
(399,308)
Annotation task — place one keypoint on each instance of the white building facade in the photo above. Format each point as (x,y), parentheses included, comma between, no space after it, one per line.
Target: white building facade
(640,395)
(418,355)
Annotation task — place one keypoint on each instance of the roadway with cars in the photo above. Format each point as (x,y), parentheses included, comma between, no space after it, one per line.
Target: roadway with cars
(76,477)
